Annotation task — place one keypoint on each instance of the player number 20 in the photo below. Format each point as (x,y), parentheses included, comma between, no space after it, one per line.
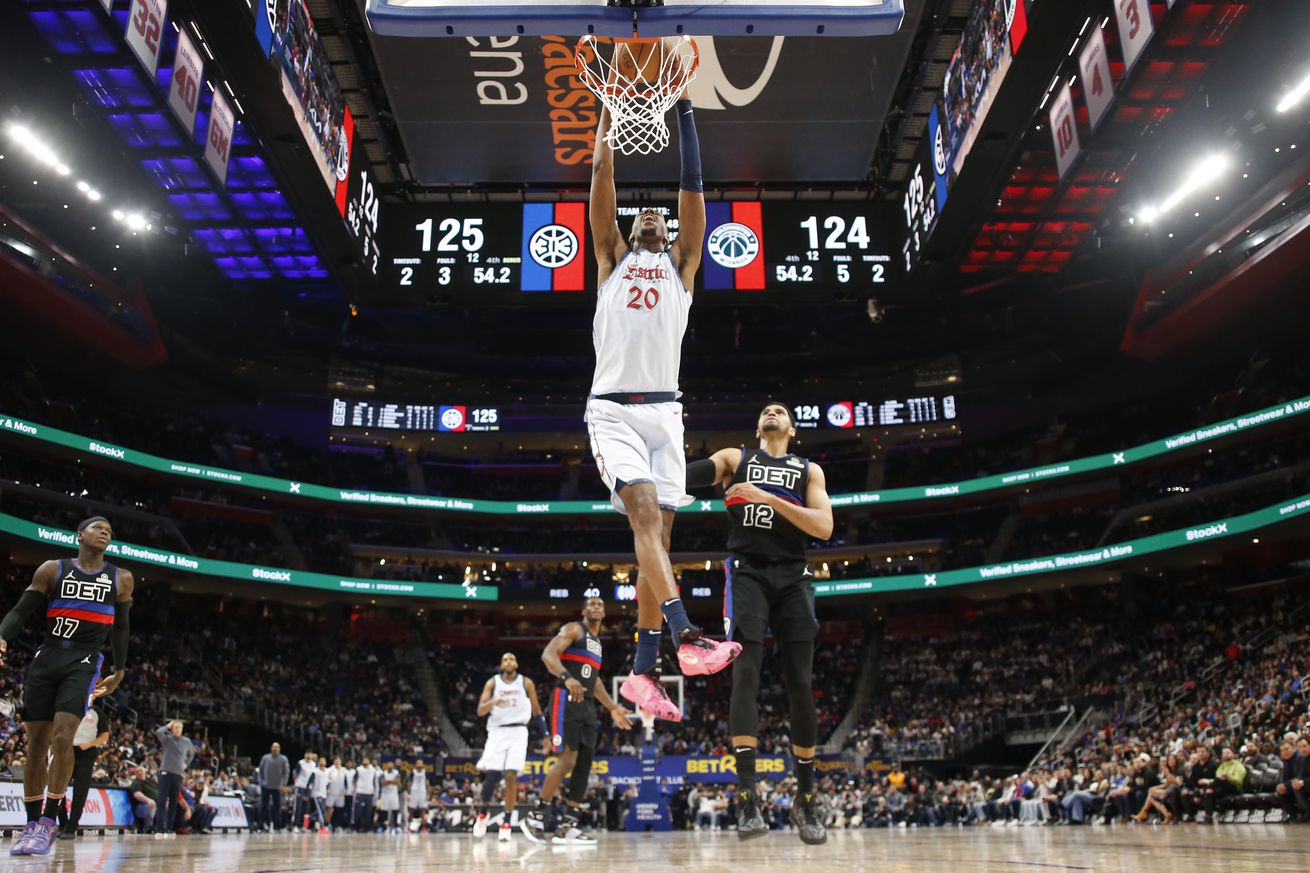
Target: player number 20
(65,627)
(758,515)
(643,300)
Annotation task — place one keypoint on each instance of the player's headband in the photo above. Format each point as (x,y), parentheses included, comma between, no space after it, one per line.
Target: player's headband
(90,521)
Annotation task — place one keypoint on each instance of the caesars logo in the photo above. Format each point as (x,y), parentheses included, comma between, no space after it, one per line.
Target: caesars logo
(733,245)
(728,764)
(541,766)
(711,88)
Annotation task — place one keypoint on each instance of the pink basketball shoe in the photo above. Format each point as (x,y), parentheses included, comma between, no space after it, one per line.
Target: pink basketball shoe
(647,693)
(700,656)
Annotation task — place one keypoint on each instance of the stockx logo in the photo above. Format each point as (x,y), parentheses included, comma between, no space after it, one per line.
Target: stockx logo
(470,590)
(295,487)
(930,580)
(1119,458)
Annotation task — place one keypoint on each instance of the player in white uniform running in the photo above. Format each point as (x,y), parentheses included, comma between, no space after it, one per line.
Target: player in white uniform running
(634,419)
(509,701)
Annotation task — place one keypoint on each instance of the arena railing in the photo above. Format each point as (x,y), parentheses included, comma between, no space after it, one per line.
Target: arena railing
(1205,532)
(91,448)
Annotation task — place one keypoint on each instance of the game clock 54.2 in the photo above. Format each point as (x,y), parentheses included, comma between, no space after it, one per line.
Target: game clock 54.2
(501,251)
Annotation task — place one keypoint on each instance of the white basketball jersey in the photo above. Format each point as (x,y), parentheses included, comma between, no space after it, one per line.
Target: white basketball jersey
(641,315)
(517,711)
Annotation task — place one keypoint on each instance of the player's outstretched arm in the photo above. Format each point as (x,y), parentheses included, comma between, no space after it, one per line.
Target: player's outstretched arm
(617,713)
(815,517)
(485,703)
(567,636)
(717,469)
(34,598)
(530,688)
(538,721)
(606,237)
(686,252)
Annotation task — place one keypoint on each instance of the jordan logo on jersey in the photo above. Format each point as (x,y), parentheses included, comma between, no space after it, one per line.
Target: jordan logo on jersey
(757,474)
(76,589)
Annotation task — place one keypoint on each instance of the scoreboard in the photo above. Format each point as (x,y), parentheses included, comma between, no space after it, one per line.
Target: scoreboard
(875,413)
(503,252)
(380,415)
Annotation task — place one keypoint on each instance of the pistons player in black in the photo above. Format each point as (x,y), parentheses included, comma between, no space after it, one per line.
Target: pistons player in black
(776,503)
(573,657)
(85,602)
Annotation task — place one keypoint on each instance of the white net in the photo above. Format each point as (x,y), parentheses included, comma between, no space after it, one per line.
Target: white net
(638,80)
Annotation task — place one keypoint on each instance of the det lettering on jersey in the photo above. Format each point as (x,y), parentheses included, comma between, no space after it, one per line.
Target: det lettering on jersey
(780,476)
(75,589)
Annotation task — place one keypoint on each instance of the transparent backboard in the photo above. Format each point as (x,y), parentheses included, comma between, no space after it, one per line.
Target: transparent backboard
(451,18)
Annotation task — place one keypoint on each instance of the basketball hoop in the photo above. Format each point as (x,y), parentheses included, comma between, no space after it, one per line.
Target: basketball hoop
(638,82)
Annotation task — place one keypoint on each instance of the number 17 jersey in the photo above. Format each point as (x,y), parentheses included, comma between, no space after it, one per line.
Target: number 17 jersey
(81,608)
(641,315)
(758,531)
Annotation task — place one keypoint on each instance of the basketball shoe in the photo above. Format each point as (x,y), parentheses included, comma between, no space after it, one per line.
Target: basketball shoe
(699,655)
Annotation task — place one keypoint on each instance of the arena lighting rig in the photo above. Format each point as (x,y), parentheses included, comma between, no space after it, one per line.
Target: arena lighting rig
(1204,172)
(41,151)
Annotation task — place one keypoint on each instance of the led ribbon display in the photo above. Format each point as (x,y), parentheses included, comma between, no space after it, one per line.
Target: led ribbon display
(251,573)
(1238,524)
(945,491)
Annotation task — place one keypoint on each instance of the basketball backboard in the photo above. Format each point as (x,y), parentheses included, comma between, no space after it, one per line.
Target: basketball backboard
(451,18)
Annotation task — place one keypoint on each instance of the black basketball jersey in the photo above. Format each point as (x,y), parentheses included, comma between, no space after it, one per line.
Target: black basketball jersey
(81,608)
(757,530)
(583,659)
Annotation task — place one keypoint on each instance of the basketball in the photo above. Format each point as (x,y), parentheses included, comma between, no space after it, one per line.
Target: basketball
(639,60)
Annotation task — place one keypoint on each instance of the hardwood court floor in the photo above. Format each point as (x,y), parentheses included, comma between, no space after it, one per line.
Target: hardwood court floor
(1183,849)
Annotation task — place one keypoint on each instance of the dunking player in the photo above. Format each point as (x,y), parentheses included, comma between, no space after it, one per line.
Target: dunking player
(775,501)
(85,601)
(634,419)
(577,648)
(509,700)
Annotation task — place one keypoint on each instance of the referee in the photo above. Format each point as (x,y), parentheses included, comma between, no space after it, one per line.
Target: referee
(776,501)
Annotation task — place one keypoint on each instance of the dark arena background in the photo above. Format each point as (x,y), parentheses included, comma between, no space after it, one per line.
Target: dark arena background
(297,296)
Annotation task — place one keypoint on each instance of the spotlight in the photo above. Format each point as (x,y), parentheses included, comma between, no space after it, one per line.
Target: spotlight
(1295,96)
(1203,173)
